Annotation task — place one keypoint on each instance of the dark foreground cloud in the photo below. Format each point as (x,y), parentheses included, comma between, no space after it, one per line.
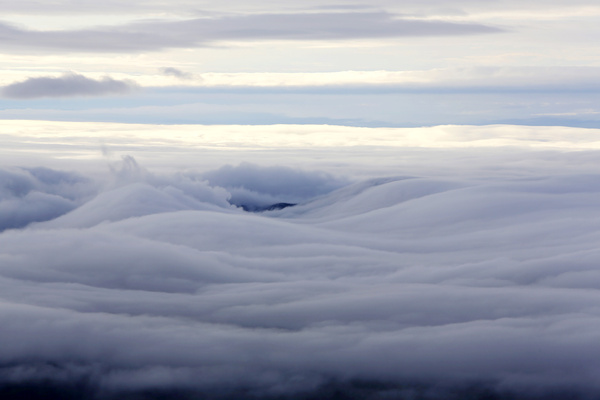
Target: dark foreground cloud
(157,35)
(390,288)
(68,85)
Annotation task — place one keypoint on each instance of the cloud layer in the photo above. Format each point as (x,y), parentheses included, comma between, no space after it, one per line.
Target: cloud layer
(395,287)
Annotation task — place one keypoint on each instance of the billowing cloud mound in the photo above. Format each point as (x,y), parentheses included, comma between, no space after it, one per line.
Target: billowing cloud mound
(39,194)
(392,288)
(70,84)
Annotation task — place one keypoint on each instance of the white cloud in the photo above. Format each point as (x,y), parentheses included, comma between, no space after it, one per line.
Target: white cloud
(340,150)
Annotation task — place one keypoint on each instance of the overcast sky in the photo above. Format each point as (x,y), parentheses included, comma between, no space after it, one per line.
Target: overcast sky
(262,62)
(440,164)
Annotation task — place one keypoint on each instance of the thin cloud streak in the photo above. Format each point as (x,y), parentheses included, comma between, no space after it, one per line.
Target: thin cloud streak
(160,35)
(188,7)
(177,73)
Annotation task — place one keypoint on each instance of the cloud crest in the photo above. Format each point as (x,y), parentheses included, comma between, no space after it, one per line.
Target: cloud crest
(68,85)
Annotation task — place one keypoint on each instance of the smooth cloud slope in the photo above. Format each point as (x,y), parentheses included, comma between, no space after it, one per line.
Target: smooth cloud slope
(389,288)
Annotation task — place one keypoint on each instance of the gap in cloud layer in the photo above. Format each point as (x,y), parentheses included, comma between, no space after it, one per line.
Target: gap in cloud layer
(257,188)
(41,194)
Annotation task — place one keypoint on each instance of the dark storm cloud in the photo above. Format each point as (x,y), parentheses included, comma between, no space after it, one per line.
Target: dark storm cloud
(388,288)
(68,85)
(157,35)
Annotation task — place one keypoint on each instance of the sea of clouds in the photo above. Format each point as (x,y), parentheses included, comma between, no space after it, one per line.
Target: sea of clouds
(477,278)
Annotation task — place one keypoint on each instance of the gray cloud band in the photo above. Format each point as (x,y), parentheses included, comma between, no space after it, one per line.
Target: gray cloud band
(68,85)
(158,35)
